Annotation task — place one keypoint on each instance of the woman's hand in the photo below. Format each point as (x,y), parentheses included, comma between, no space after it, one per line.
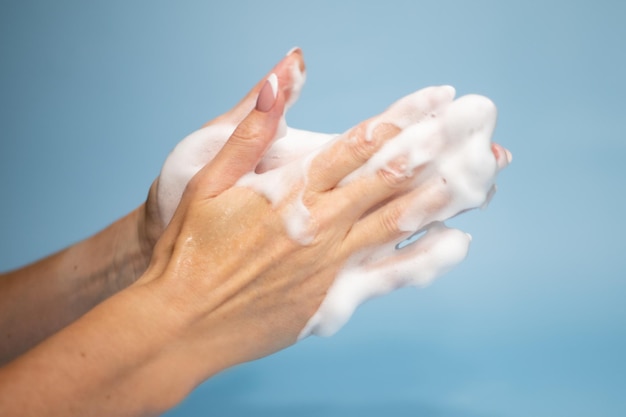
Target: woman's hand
(252,258)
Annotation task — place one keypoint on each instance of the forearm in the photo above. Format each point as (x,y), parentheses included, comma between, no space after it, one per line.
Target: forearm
(129,356)
(41,298)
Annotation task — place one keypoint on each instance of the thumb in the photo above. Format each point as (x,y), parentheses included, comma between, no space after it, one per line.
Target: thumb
(291,74)
(248,143)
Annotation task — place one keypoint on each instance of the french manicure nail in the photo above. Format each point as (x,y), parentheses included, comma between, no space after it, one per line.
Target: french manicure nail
(267,95)
(294,50)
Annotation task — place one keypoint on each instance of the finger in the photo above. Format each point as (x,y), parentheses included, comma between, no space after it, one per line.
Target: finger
(437,250)
(291,73)
(384,269)
(246,146)
(503,156)
(400,217)
(503,159)
(352,149)
(394,170)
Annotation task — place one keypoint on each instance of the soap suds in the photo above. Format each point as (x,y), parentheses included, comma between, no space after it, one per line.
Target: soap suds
(278,184)
(185,160)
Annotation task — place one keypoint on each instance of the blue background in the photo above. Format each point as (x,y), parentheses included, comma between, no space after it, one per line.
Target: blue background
(93,96)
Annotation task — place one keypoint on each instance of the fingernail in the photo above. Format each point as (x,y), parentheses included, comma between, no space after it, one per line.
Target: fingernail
(295,49)
(267,95)
(509,156)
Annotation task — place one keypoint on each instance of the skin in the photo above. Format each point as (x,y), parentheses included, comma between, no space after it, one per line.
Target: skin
(213,294)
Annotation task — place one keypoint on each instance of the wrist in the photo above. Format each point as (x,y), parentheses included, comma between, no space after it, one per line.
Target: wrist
(130,251)
(192,347)
(144,239)
(208,341)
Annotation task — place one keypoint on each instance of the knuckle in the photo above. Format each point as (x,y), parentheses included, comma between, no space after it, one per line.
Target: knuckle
(396,172)
(361,145)
(193,186)
(244,140)
(248,134)
(367,138)
(392,178)
(389,219)
(385,130)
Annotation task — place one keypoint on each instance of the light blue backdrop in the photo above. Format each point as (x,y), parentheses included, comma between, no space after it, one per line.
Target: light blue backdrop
(94,95)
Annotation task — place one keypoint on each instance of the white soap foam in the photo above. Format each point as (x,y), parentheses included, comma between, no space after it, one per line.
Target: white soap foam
(294,145)
(185,160)
(421,105)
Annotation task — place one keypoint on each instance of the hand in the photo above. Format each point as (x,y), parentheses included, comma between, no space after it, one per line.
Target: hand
(252,258)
